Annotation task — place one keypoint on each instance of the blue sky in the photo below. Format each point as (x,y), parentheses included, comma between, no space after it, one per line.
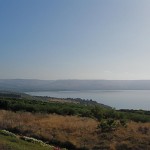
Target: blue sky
(75,39)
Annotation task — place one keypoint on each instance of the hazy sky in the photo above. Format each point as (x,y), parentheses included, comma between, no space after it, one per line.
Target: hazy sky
(75,39)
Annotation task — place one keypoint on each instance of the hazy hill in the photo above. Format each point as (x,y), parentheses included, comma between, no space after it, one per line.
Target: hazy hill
(42,85)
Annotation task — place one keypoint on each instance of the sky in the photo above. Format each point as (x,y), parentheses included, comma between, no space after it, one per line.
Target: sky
(75,39)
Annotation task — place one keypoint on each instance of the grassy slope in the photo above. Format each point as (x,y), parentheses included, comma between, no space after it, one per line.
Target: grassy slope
(53,128)
(12,143)
(70,129)
(76,130)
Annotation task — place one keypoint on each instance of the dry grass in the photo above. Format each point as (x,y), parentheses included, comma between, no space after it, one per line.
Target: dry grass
(74,129)
(135,136)
(77,130)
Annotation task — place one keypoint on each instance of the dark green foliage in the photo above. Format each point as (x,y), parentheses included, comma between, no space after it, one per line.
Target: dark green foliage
(123,122)
(94,111)
(45,107)
(97,112)
(136,115)
(108,125)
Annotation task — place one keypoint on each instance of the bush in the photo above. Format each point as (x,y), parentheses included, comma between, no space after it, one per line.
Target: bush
(123,122)
(108,125)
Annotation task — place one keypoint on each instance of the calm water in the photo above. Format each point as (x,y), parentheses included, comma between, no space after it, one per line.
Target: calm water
(129,99)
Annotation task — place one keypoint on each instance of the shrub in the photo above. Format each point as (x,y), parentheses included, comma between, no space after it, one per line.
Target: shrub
(123,122)
(108,125)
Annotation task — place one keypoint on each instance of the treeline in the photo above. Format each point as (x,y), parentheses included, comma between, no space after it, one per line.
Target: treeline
(74,100)
(143,112)
(136,115)
(93,111)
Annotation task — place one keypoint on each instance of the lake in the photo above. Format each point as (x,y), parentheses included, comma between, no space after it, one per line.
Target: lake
(119,99)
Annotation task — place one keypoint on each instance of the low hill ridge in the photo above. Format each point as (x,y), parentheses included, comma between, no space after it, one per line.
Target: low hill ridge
(26,85)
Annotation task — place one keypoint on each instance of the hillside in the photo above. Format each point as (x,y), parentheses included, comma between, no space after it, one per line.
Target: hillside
(11,141)
(74,132)
(72,124)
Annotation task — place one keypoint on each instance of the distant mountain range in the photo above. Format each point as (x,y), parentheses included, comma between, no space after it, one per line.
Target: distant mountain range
(26,85)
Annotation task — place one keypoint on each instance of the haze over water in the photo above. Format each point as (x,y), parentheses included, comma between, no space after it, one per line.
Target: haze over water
(119,99)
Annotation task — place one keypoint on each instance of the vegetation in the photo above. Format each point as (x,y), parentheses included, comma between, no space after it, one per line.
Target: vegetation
(90,110)
(74,132)
(137,115)
(76,107)
(10,141)
(73,124)
(111,125)
(63,131)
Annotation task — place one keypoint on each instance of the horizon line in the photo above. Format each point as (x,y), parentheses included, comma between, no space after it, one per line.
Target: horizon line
(75,79)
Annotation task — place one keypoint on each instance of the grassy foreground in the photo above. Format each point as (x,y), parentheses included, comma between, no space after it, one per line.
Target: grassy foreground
(8,142)
(74,124)
(75,131)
